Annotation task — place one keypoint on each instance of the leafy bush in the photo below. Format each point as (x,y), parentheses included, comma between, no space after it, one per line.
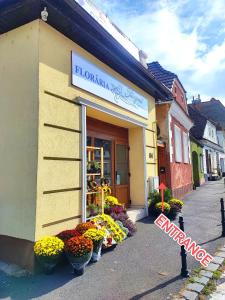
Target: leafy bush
(167,195)
(154,197)
(158,208)
(155,206)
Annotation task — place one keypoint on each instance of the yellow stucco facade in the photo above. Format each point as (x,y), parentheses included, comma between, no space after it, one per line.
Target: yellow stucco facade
(19,131)
(42,126)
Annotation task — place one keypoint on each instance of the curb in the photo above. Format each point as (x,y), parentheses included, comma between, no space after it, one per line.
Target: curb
(192,290)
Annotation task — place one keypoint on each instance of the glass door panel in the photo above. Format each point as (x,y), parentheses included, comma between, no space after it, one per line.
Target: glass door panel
(122,165)
(107,154)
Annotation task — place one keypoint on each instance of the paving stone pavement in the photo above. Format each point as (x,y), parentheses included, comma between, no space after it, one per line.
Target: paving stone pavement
(146,266)
(219,294)
(205,275)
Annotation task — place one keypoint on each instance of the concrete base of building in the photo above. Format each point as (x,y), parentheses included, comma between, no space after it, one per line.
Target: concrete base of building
(182,191)
(17,251)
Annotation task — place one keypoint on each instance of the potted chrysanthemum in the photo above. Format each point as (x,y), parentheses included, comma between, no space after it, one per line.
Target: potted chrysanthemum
(79,251)
(48,251)
(65,235)
(82,227)
(97,237)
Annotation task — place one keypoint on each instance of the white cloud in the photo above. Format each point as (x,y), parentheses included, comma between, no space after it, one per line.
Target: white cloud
(181,35)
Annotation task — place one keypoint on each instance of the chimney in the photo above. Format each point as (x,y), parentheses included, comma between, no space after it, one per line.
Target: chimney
(196,100)
(143,58)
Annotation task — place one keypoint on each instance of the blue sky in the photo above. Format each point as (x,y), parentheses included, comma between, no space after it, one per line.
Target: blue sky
(186,37)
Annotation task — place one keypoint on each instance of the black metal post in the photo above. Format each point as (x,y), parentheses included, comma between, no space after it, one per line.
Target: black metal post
(222,216)
(183,253)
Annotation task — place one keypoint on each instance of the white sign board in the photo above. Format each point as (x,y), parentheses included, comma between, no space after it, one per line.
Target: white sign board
(91,78)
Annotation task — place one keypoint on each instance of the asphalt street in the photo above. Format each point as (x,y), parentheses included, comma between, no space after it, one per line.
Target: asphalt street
(146,266)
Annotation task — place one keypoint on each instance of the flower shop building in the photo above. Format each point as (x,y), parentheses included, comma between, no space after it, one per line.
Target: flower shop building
(68,90)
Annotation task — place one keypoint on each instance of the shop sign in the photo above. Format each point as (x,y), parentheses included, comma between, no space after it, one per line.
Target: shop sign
(91,78)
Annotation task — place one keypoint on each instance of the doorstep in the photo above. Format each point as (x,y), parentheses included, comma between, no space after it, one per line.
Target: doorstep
(136,213)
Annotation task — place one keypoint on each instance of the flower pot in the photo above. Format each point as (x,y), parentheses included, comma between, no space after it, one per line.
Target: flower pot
(96,255)
(79,263)
(48,263)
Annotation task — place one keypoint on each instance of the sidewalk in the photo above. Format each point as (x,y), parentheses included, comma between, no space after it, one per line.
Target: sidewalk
(146,266)
(219,294)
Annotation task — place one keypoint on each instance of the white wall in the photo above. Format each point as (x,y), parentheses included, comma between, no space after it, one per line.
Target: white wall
(221,138)
(210,133)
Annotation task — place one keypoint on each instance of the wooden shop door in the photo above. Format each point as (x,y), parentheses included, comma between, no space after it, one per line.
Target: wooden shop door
(122,172)
(114,141)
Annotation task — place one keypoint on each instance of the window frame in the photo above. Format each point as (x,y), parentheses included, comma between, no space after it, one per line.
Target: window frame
(178,157)
(185,148)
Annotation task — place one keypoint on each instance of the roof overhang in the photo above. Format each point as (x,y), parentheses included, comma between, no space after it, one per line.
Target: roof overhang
(211,145)
(177,112)
(75,23)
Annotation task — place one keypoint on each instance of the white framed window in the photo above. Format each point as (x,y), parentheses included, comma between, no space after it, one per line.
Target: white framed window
(177,144)
(186,148)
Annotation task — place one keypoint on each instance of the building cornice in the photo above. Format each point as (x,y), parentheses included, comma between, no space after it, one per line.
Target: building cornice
(177,112)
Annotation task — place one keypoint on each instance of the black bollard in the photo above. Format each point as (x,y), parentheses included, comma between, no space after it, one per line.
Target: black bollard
(184,271)
(222,216)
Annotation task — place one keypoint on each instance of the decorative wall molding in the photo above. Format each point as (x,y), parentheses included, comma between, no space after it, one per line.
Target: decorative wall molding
(177,112)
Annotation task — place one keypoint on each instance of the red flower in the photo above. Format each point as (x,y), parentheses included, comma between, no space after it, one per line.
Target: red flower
(67,234)
(78,246)
(81,228)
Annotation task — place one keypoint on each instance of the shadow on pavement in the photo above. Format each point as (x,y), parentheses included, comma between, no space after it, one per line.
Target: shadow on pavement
(33,286)
(159,286)
(209,241)
(147,220)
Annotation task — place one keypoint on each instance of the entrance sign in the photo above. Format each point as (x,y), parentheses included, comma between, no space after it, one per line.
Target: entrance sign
(88,76)
(181,238)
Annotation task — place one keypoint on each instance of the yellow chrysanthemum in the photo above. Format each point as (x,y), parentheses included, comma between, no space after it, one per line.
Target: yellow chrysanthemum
(48,246)
(95,234)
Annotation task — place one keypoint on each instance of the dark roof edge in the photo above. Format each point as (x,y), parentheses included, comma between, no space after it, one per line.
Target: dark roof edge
(196,140)
(194,107)
(175,76)
(74,22)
